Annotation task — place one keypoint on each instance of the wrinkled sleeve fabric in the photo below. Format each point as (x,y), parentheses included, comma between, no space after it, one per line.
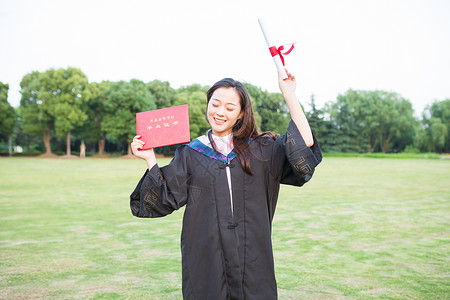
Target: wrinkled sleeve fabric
(162,190)
(293,162)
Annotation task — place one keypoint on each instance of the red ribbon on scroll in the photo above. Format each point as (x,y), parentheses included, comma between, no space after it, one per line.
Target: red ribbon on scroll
(277,51)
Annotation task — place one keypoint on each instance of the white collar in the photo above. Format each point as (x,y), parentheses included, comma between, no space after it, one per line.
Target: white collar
(224,139)
(224,144)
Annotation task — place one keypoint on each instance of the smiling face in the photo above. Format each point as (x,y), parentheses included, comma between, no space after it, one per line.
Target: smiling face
(224,109)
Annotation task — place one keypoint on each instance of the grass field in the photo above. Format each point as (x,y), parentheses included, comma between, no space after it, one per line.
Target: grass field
(363,228)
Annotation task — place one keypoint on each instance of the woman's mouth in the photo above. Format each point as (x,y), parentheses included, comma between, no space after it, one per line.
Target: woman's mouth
(219,121)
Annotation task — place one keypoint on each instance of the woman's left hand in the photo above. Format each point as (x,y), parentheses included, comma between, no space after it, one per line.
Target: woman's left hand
(288,85)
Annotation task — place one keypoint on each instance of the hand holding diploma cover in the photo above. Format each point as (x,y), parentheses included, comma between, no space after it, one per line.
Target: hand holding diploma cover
(163,127)
(275,51)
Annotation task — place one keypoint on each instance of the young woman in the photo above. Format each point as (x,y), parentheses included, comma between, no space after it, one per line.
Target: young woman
(229,181)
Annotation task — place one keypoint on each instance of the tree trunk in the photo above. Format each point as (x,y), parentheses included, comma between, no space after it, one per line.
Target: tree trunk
(68,144)
(10,145)
(385,140)
(385,145)
(101,145)
(48,149)
(372,146)
(129,154)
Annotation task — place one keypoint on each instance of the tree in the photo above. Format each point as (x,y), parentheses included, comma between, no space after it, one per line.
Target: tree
(317,123)
(123,101)
(439,121)
(164,94)
(345,133)
(195,96)
(93,129)
(384,118)
(388,118)
(434,134)
(8,119)
(63,92)
(421,138)
(274,113)
(36,119)
(256,95)
(438,135)
(404,125)
(29,142)
(271,111)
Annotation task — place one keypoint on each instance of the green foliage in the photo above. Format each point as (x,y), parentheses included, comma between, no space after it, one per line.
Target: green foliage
(255,93)
(95,109)
(53,100)
(317,123)
(383,118)
(434,135)
(193,88)
(345,132)
(411,149)
(8,117)
(274,113)
(271,111)
(439,134)
(164,94)
(441,110)
(123,101)
(358,121)
(30,143)
(35,117)
(195,96)
(63,92)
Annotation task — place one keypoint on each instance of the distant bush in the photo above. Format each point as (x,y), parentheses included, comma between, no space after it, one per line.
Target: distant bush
(411,149)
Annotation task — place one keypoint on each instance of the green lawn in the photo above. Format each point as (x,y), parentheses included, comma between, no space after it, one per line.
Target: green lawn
(363,228)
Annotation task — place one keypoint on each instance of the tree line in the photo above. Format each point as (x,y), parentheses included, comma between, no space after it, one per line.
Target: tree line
(60,106)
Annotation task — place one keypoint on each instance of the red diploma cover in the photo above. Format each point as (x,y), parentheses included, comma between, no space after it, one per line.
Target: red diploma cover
(163,127)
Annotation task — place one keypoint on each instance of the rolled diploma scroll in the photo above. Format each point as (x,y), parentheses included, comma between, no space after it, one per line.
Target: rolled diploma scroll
(276,58)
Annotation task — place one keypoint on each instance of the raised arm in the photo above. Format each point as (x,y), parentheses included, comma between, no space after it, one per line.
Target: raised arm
(287,87)
(147,155)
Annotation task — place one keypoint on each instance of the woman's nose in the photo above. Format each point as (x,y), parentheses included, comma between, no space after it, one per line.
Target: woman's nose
(220,111)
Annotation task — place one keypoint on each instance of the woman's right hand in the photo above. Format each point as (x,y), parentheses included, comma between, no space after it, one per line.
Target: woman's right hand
(147,155)
(288,85)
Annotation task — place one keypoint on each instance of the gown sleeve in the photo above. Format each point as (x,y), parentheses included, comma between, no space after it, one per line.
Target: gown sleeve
(162,190)
(293,161)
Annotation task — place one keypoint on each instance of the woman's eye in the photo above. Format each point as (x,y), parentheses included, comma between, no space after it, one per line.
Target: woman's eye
(230,109)
(215,105)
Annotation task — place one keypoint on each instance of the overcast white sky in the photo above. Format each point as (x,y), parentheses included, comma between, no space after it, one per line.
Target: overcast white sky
(395,45)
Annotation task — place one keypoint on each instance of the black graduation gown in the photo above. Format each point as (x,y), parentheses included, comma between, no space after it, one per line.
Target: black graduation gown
(225,254)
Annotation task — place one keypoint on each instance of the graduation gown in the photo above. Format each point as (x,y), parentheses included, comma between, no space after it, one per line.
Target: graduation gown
(226,253)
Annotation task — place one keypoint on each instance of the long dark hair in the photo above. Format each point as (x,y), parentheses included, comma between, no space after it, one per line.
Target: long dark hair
(245,127)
